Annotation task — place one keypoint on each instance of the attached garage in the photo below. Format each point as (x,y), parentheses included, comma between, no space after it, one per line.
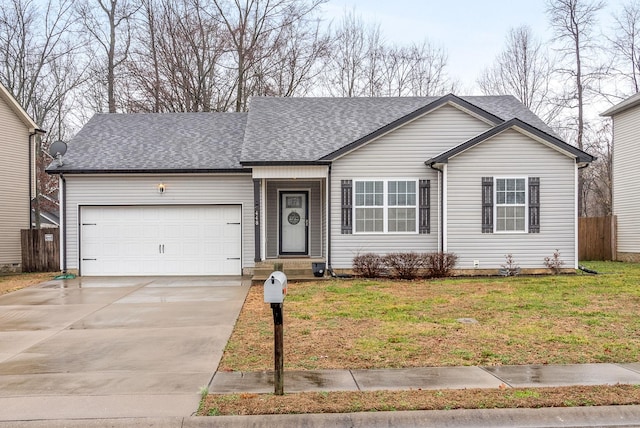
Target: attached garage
(160,240)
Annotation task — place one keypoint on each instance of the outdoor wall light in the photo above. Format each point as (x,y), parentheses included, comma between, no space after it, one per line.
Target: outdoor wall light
(161,188)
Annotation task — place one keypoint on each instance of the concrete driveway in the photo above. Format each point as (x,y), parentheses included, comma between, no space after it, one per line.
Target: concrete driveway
(113,347)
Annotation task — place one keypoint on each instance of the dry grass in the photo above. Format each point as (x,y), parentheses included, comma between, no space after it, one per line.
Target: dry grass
(345,402)
(14,282)
(361,324)
(354,324)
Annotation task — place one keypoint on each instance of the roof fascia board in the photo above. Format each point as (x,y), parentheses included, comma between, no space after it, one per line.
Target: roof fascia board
(148,171)
(18,110)
(448,99)
(525,129)
(285,163)
(630,102)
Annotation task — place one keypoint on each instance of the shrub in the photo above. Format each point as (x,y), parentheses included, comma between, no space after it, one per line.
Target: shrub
(404,265)
(368,265)
(554,262)
(510,267)
(439,265)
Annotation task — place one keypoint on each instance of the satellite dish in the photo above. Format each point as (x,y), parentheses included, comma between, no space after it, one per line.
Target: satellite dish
(57,150)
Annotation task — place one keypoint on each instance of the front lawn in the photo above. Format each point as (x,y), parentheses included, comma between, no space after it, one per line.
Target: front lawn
(14,282)
(363,323)
(351,324)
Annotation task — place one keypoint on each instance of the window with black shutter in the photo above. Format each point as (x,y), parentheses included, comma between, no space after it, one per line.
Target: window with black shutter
(487,204)
(347,205)
(534,204)
(425,206)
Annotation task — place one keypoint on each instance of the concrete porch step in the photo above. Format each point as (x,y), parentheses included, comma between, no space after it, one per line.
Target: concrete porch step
(297,270)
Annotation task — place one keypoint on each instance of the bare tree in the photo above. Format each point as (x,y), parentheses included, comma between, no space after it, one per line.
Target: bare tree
(255,28)
(362,65)
(109,24)
(39,65)
(626,44)
(598,178)
(573,22)
(523,69)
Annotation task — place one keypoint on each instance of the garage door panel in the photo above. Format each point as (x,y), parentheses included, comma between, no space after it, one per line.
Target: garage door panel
(161,240)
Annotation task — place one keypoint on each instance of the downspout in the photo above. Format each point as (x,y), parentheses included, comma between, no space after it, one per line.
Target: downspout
(63,222)
(31,146)
(441,197)
(32,169)
(328,211)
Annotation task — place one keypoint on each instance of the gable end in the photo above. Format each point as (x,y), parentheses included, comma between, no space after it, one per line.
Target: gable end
(450,99)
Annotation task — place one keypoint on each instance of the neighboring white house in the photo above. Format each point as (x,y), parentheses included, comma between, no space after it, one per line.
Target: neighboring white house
(626,176)
(17,130)
(318,179)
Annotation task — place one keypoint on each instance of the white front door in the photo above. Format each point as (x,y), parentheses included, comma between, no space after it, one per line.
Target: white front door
(294,223)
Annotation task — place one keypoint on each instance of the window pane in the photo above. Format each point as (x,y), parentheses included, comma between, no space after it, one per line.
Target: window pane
(379,200)
(379,187)
(520,198)
(369,219)
(402,220)
(520,184)
(392,187)
(359,186)
(500,184)
(392,199)
(359,199)
(411,187)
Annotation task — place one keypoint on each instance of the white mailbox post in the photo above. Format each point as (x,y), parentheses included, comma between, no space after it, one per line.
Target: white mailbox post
(275,290)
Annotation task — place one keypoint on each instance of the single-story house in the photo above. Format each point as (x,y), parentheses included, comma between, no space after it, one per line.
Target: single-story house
(318,179)
(17,174)
(626,176)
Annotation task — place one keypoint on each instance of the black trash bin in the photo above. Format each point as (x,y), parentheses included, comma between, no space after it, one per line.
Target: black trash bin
(318,269)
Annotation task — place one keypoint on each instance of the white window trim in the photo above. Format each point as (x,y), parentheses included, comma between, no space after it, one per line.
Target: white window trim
(526,205)
(385,206)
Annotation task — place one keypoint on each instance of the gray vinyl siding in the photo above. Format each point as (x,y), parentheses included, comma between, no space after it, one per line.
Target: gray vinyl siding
(626,179)
(511,154)
(400,154)
(142,190)
(14,191)
(315,215)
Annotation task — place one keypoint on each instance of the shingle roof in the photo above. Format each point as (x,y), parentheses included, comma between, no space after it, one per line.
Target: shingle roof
(156,142)
(308,129)
(275,130)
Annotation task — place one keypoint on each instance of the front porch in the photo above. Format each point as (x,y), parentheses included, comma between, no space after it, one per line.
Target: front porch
(292,226)
(296,269)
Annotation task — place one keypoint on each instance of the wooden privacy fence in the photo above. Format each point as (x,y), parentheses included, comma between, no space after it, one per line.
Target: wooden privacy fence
(597,238)
(40,250)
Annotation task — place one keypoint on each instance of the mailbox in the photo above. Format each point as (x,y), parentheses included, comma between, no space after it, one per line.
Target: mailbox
(275,287)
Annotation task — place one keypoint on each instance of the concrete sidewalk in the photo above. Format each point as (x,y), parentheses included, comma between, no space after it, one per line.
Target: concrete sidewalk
(429,378)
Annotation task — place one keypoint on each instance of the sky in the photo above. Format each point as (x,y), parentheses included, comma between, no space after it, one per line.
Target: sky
(471,31)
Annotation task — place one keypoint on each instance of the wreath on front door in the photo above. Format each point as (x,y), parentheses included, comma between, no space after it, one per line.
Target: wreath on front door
(293,218)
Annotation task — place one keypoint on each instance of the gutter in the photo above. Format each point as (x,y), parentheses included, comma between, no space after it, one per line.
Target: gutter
(441,190)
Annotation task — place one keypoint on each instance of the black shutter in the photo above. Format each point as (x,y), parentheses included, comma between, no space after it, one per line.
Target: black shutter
(425,206)
(487,204)
(534,204)
(347,207)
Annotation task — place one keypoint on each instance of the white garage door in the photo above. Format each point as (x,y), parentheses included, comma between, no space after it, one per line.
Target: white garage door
(160,240)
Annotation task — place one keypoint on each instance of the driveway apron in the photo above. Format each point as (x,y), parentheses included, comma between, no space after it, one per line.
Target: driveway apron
(113,347)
